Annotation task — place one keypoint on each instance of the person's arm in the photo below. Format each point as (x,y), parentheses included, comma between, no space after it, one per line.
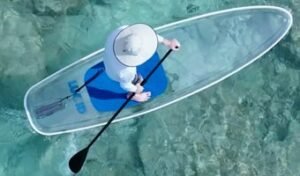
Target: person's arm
(173,44)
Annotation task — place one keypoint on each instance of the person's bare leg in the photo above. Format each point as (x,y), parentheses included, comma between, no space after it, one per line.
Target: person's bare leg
(141,97)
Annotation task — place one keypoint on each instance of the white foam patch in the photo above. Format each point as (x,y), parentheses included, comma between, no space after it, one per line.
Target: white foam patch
(69,151)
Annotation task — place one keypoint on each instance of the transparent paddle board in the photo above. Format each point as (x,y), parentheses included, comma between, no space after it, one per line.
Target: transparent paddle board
(214,46)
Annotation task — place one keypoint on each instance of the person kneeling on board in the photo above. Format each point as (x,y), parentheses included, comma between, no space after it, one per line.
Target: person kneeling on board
(128,47)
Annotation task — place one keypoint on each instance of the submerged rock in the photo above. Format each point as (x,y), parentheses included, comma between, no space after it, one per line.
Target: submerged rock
(288,50)
(102,2)
(21,56)
(191,8)
(57,7)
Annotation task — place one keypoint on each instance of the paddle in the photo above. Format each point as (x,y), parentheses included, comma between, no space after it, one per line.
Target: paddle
(76,162)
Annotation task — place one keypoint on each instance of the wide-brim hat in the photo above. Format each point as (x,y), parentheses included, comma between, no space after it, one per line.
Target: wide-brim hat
(135,44)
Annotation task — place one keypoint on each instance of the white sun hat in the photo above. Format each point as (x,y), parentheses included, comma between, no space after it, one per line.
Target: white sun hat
(135,44)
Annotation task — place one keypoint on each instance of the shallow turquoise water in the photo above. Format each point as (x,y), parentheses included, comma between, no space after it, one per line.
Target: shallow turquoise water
(246,125)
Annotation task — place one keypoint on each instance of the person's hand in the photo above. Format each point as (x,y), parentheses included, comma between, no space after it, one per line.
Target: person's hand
(174,44)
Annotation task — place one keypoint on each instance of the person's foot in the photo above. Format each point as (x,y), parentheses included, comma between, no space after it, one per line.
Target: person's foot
(141,97)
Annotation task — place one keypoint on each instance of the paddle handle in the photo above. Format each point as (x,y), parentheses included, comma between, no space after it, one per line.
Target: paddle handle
(129,98)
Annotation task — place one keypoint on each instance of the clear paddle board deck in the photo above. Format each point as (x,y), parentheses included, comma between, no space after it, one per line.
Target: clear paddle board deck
(214,46)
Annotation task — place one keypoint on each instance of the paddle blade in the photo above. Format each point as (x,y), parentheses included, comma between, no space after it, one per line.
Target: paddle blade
(49,109)
(77,160)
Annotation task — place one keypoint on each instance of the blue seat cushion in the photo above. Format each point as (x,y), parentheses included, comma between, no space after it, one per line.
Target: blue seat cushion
(107,95)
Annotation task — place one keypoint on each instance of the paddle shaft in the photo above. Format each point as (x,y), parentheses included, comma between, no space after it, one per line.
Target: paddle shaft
(90,79)
(129,98)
